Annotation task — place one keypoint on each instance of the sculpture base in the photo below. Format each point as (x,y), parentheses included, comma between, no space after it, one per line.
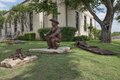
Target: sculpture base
(60,50)
(10,63)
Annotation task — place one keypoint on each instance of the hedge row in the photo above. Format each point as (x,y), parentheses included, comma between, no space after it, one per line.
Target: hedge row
(81,38)
(42,32)
(27,36)
(67,33)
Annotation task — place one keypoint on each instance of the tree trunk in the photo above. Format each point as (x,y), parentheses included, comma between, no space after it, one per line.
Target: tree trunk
(106,34)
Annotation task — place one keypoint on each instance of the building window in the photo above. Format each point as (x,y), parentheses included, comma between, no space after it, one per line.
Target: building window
(77,20)
(15,25)
(5,27)
(31,20)
(9,32)
(91,22)
(85,23)
(55,17)
(10,24)
(22,23)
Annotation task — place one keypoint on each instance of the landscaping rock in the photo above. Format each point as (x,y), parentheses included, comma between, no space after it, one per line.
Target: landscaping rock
(60,50)
(10,63)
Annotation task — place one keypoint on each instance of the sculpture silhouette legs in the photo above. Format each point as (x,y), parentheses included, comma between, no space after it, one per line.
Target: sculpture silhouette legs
(48,43)
(52,42)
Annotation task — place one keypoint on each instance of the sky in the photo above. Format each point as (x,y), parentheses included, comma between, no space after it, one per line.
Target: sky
(8,4)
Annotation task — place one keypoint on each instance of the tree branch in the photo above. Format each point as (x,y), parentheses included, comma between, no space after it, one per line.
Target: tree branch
(117,6)
(103,2)
(109,4)
(110,13)
(92,13)
(112,1)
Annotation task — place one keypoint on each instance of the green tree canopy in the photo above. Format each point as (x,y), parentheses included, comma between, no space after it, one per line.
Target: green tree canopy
(2,18)
(18,13)
(118,18)
(46,6)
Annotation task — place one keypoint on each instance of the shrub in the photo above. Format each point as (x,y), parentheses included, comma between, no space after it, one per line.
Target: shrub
(20,38)
(67,33)
(97,33)
(27,36)
(116,34)
(91,32)
(42,32)
(81,38)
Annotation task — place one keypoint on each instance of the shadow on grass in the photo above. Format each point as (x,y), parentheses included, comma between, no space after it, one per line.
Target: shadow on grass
(51,67)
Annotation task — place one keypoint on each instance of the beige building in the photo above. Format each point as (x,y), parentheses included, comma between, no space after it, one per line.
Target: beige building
(67,17)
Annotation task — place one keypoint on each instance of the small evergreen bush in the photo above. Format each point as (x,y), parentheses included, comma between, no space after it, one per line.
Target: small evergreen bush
(81,38)
(68,33)
(27,36)
(42,32)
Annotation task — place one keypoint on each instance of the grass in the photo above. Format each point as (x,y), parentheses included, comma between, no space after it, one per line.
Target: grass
(78,65)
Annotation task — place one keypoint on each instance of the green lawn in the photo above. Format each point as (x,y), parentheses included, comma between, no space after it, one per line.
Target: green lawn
(78,65)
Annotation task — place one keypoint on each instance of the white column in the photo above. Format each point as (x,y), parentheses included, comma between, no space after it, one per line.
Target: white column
(62,9)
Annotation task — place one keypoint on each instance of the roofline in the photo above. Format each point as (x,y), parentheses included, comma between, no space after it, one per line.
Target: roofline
(24,2)
(17,4)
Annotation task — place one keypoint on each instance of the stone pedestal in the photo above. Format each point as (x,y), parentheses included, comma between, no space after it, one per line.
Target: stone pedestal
(10,63)
(60,50)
